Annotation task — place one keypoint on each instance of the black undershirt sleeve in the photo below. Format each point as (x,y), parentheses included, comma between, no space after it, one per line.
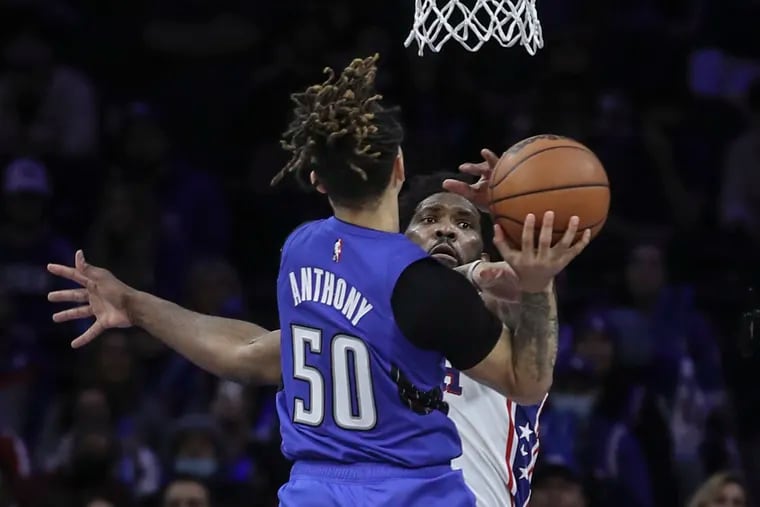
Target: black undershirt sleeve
(438,309)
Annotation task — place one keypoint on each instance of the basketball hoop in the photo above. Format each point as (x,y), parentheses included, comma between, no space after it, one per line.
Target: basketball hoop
(473,22)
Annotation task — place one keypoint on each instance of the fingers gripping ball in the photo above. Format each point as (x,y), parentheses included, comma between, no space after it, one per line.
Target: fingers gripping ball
(549,173)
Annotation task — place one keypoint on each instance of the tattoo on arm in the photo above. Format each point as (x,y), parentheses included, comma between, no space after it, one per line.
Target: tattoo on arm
(536,333)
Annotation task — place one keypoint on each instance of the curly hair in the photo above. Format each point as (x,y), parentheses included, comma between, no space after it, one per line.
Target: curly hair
(343,133)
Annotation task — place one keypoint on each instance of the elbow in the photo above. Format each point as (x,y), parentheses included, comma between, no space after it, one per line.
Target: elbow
(254,364)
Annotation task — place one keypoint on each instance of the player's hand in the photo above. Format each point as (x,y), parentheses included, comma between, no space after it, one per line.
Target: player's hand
(497,280)
(537,266)
(102,296)
(477,193)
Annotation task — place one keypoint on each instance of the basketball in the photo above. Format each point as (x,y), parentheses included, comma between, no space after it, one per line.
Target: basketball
(549,173)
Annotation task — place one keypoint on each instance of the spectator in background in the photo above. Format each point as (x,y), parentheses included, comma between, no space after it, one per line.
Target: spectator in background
(197,450)
(186,204)
(203,49)
(27,243)
(124,236)
(89,473)
(579,380)
(625,451)
(46,109)
(556,485)
(186,492)
(17,366)
(248,421)
(138,467)
(660,326)
(212,287)
(662,333)
(740,192)
(15,470)
(100,501)
(724,489)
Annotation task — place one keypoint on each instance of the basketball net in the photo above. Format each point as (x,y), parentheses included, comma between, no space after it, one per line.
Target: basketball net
(473,22)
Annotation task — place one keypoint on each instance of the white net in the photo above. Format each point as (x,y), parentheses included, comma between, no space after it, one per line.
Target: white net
(473,22)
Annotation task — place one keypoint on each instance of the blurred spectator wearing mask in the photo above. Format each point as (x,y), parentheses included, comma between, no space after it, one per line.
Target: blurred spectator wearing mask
(46,109)
(556,485)
(740,193)
(197,450)
(187,205)
(186,492)
(724,489)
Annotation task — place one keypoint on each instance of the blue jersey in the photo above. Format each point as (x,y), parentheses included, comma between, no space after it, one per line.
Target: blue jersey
(340,342)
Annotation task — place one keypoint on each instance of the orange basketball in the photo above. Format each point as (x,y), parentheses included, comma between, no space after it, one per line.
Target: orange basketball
(549,173)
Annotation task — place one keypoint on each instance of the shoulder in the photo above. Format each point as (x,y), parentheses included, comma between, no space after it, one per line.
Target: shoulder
(427,278)
(297,234)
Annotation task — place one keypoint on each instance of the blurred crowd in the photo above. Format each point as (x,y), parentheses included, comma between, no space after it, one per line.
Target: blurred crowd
(146,132)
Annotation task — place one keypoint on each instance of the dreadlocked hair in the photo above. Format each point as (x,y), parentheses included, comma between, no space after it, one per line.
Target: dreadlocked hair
(341,131)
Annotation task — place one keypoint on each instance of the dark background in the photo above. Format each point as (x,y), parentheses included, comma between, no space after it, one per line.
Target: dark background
(146,132)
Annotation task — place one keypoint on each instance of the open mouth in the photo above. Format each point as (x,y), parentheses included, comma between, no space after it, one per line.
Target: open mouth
(445,253)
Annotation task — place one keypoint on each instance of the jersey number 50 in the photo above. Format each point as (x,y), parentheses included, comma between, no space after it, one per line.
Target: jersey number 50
(348,414)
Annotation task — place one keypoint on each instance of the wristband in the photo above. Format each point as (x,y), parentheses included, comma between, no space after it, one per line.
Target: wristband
(470,272)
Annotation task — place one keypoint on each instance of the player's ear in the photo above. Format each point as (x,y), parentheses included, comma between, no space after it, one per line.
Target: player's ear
(399,173)
(315,182)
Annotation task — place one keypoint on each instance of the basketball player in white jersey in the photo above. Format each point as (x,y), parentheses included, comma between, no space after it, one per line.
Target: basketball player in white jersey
(499,437)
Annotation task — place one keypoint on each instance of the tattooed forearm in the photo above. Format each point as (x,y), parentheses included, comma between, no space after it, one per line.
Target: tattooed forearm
(507,311)
(534,340)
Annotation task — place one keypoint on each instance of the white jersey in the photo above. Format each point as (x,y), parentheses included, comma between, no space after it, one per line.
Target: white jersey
(499,441)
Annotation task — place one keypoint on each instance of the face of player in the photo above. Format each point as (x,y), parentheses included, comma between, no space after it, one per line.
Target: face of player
(447,226)
(731,495)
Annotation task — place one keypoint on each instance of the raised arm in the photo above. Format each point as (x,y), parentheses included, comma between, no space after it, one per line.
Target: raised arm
(529,344)
(229,348)
(225,347)
(515,357)
(530,340)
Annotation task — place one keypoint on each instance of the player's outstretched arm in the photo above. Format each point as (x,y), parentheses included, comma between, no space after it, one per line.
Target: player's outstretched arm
(226,347)
(530,346)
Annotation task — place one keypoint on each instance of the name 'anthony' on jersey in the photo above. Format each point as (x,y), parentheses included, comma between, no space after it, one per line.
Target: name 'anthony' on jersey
(340,341)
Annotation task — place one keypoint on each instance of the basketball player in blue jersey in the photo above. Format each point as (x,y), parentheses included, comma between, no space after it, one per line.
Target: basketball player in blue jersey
(361,411)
